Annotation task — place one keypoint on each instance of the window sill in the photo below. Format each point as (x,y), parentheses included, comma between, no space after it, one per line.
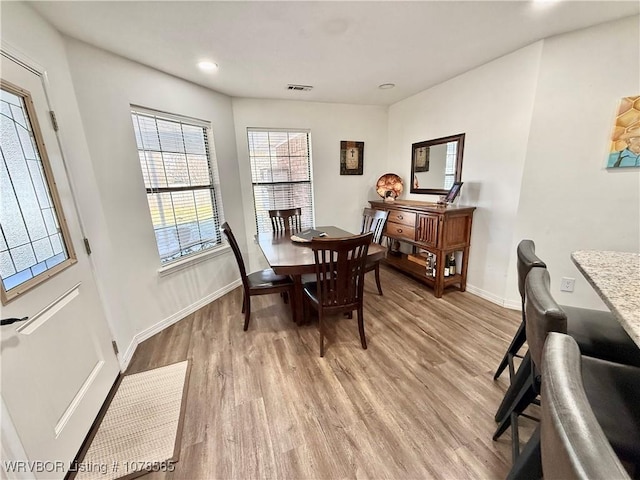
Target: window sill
(192,260)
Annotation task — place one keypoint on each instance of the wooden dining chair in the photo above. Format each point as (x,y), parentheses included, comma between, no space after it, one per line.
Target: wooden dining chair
(289,220)
(339,285)
(262,282)
(373,221)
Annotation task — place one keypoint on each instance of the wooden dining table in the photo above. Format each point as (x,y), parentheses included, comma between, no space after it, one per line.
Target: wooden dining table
(615,276)
(287,257)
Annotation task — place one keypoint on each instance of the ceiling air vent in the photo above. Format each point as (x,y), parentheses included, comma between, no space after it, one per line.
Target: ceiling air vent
(300,88)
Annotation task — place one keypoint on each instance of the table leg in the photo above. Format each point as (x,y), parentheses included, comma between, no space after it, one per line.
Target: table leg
(298,298)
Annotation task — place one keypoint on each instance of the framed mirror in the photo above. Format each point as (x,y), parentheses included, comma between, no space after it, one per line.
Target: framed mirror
(436,164)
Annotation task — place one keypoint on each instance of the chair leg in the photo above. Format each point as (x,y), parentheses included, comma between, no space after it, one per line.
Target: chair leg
(519,380)
(377,272)
(524,399)
(516,343)
(363,339)
(292,305)
(244,301)
(528,465)
(247,312)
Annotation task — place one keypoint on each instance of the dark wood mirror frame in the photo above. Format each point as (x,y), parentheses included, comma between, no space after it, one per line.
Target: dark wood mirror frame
(430,143)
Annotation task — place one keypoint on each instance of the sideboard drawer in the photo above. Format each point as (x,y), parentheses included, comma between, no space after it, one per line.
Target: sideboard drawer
(399,230)
(405,218)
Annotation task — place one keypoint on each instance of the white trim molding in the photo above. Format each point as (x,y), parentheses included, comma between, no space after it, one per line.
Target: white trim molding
(167,322)
(49,311)
(493,298)
(193,259)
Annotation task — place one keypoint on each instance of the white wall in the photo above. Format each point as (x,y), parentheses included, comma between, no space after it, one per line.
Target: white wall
(338,199)
(492,105)
(569,201)
(105,86)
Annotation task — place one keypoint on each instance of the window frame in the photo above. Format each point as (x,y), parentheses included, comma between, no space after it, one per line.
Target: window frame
(213,187)
(7,296)
(305,131)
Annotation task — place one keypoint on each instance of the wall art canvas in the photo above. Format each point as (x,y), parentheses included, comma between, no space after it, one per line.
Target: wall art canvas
(351,157)
(625,139)
(421,159)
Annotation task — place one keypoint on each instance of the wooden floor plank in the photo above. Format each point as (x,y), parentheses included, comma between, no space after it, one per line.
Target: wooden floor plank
(418,403)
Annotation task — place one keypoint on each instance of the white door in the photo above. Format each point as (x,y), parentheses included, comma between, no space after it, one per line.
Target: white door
(58,366)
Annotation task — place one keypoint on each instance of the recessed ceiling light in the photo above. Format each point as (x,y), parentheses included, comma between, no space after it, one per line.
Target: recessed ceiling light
(386,86)
(207,66)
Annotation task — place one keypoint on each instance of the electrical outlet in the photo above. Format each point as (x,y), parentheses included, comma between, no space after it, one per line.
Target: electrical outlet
(567,284)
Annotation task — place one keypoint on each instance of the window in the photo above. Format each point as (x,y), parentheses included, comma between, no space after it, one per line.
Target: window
(180,174)
(280,173)
(34,239)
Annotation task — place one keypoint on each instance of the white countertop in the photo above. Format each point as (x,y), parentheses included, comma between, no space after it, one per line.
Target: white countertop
(616,278)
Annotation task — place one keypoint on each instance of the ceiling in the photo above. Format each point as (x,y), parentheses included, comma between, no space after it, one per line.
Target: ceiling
(344,49)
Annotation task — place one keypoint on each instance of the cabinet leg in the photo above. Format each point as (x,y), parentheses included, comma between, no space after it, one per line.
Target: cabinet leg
(439,280)
(463,273)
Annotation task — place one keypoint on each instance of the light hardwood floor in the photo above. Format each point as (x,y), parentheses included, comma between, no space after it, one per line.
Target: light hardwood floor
(418,403)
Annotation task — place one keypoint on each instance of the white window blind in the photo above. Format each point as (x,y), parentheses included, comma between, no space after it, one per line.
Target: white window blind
(280,173)
(450,168)
(180,174)
(34,240)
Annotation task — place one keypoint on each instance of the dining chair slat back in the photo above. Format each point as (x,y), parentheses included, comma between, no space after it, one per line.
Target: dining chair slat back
(373,221)
(287,220)
(339,285)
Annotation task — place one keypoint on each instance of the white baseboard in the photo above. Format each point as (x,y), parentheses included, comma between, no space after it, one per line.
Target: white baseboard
(494,298)
(161,325)
(513,305)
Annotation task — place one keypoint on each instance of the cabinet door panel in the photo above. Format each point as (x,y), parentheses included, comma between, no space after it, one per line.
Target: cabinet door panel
(428,229)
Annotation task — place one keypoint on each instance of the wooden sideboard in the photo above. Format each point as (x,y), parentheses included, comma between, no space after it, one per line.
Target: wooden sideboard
(438,229)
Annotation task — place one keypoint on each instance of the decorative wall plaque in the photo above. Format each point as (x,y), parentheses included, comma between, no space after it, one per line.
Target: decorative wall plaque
(351,157)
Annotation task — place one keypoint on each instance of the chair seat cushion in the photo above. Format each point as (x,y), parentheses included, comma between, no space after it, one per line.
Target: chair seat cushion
(613,391)
(267,278)
(600,335)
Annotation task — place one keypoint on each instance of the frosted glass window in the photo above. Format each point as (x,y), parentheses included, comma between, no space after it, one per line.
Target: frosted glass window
(280,173)
(31,239)
(180,174)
